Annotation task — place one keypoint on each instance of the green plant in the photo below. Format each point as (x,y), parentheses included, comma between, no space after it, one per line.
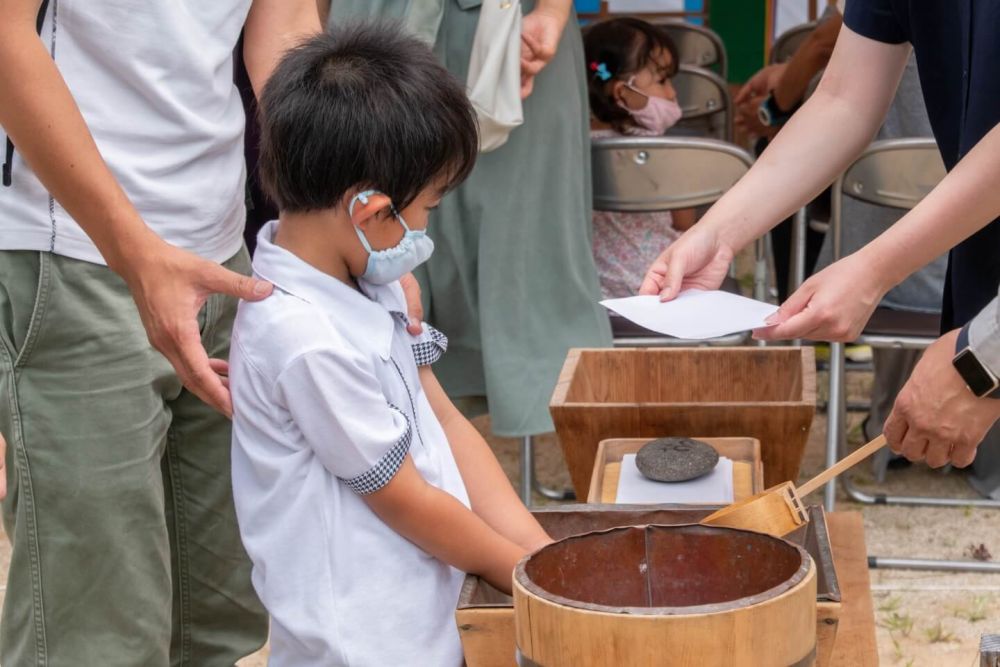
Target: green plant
(936,634)
(891,604)
(976,610)
(901,623)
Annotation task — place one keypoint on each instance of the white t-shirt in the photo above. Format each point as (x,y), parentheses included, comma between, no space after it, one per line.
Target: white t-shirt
(154,81)
(327,403)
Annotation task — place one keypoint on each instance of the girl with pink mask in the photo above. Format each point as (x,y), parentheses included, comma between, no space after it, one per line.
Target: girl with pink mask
(630,64)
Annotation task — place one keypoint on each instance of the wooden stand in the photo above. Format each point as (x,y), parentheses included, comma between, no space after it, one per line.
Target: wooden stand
(767,393)
(748,473)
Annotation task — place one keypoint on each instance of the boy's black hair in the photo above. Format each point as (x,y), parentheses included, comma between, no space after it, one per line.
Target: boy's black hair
(623,46)
(362,105)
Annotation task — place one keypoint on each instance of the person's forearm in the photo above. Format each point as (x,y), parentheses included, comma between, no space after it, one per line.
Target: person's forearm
(965,201)
(490,493)
(42,119)
(820,140)
(272,27)
(442,526)
(558,8)
(807,62)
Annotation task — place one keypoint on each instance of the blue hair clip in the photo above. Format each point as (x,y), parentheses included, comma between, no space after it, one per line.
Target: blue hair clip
(600,70)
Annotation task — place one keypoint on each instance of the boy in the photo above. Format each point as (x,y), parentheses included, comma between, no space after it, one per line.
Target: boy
(362,493)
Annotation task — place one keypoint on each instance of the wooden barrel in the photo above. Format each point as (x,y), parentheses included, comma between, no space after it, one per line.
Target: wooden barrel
(666,595)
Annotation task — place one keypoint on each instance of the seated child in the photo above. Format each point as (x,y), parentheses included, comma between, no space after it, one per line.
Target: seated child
(363,495)
(629,65)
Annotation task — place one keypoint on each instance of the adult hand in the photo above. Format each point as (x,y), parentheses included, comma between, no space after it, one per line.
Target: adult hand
(833,305)
(760,84)
(936,418)
(414,306)
(698,259)
(170,286)
(541,31)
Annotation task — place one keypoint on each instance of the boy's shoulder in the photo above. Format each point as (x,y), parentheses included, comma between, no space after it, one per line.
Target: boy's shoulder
(271,333)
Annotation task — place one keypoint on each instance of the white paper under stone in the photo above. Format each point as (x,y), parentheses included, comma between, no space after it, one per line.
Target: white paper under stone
(694,314)
(715,488)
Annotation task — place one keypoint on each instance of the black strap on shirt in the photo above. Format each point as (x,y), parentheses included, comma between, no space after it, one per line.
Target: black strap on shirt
(8,163)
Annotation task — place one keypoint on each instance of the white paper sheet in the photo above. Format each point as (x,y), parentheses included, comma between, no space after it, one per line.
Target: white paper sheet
(694,314)
(715,488)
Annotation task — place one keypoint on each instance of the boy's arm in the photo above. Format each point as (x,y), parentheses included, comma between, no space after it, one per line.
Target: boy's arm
(439,524)
(169,285)
(489,490)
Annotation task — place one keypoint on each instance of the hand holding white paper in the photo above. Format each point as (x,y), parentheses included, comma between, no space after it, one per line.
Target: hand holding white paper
(694,314)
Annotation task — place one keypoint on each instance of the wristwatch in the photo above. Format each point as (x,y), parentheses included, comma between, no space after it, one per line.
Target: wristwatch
(980,380)
(770,114)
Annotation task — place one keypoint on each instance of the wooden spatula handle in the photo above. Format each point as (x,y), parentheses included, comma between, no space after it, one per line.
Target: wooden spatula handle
(842,465)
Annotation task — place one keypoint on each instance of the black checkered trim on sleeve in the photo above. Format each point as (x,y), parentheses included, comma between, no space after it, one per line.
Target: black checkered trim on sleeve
(427,352)
(382,472)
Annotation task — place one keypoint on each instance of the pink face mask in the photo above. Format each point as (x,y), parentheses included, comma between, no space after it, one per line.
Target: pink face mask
(656,117)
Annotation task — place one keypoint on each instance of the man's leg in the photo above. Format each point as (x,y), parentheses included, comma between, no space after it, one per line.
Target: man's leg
(82,405)
(217,616)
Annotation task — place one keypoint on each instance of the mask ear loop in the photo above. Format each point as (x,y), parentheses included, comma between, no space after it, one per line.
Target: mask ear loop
(363,198)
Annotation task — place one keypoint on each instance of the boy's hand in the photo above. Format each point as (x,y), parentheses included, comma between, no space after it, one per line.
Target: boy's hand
(170,286)
(414,306)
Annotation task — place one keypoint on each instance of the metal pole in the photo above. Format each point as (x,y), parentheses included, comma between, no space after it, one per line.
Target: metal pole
(879,562)
(860,496)
(834,415)
(527,469)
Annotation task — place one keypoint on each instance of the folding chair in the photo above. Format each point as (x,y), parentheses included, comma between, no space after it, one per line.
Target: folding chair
(696,45)
(897,173)
(789,41)
(704,98)
(656,174)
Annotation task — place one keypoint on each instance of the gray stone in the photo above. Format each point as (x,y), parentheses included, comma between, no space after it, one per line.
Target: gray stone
(676,459)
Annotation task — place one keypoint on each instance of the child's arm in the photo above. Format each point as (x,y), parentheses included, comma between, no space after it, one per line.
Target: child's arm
(489,490)
(439,524)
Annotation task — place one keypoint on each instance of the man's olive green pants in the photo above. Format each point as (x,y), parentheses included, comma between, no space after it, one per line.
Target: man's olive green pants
(119,506)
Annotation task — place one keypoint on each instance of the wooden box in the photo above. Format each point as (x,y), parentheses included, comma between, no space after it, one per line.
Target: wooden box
(767,393)
(485,616)
(748,475)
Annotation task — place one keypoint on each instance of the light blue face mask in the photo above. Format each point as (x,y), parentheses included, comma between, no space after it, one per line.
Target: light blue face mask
(386,266)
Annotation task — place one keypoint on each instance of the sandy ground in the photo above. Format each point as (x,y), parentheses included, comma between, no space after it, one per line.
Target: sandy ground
(930,619)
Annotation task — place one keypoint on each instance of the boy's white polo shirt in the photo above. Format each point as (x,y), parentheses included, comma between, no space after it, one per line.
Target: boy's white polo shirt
(327,403)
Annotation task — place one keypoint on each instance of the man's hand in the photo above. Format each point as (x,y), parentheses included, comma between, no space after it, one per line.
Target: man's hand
(833,305)
(760,84)
(698,259)
(936,418)
(541,31)
(170,286)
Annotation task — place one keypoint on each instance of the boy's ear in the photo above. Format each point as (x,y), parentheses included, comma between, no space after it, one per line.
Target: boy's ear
(367,207)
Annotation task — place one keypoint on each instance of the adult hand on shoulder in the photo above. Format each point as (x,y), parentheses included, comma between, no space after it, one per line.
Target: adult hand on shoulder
(698,259)
(833,305)
(936,418)
(541,31)
(170,286)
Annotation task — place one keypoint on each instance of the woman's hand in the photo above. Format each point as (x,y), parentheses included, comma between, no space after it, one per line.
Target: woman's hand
(833,305)
(698,259)
(541,31)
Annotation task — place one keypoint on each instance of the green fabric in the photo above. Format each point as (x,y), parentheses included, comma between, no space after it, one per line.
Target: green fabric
(119,508)
(512,280)
(741,25)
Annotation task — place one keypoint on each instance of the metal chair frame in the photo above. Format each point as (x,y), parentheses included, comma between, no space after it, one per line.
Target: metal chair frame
(689,172)
(789,41)
(878,179)
(704,97)
(697,45)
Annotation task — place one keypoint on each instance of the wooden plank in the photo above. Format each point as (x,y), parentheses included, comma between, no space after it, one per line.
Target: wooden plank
(855,645)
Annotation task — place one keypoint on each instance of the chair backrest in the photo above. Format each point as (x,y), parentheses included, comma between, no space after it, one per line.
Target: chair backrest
(696,45)
(663,173)
(789,42)
(894,172)
(705,100)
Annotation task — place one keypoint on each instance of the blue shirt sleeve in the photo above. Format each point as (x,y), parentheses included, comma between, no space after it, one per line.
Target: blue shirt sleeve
(875,19)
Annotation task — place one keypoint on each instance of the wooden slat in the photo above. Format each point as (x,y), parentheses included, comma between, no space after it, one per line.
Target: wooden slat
(855,645)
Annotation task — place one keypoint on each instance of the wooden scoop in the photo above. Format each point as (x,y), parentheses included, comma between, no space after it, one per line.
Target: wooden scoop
(779,510)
